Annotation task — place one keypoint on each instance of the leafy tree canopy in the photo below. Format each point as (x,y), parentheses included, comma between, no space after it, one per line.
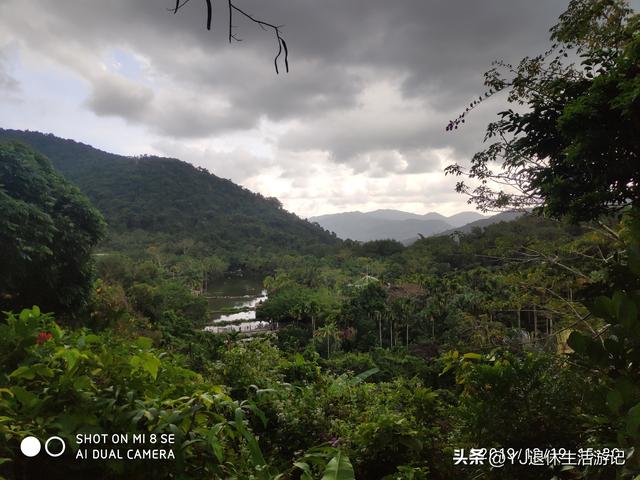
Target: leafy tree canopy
(153,201)
(575,150)
(47,230)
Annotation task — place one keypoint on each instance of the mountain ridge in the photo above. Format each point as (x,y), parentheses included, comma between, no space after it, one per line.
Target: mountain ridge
(151,200)
(469,227)
(391,224)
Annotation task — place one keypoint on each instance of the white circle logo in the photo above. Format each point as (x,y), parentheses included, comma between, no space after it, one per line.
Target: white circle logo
(30,446)
(46,446)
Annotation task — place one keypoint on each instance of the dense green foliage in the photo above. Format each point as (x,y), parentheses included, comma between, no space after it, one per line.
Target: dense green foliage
(392,409)
(575,148)
(610,358)
(386,360)
(161,201)
(65,384)
(47,231)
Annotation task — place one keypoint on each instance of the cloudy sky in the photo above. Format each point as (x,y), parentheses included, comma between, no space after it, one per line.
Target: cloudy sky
(357,124)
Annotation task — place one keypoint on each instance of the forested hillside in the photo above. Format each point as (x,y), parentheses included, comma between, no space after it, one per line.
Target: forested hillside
(502,352)
(153,200)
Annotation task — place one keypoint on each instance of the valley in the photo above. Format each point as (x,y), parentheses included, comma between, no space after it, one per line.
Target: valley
(191,314)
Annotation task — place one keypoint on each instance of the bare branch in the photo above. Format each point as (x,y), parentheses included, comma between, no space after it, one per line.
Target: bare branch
(231,36)
(581,318)
(612,233)
(178,6)
(283,50)
(282,46)
(555,261)
(209,14)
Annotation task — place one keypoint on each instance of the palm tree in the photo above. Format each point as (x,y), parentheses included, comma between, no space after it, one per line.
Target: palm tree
(328,331)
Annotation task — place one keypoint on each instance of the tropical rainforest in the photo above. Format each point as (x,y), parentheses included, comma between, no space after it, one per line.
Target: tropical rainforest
(381,361)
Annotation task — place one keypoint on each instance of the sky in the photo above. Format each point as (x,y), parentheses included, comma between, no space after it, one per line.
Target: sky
(357,124)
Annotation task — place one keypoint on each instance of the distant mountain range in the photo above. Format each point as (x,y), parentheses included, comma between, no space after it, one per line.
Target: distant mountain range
(405,227)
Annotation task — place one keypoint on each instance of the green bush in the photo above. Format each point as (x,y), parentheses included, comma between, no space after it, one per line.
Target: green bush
(519,402)
(64,383)
(47,231)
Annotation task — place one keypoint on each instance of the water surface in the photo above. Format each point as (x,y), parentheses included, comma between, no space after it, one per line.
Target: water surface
(244,293)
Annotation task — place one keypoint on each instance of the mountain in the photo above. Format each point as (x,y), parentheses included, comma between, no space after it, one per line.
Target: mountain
(485,222)
(387,214)
(394,224)
(153,200)
(467,228)
(464,218)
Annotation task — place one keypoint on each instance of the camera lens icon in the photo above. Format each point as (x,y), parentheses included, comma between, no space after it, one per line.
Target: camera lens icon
(63,446)
(31,446)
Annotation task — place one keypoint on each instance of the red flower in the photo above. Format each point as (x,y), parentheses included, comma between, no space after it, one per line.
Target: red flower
(347,333)
(43,337)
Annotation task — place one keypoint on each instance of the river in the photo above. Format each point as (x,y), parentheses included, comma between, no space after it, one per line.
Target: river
(234,299)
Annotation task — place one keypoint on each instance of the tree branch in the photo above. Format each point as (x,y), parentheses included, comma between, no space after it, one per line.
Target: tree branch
(209,14)
(283,50)
(282,45)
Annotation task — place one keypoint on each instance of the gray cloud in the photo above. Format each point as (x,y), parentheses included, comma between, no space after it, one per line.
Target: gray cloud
(337,48)
(238,164)
(9,86)
(118,96)
(371,88)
